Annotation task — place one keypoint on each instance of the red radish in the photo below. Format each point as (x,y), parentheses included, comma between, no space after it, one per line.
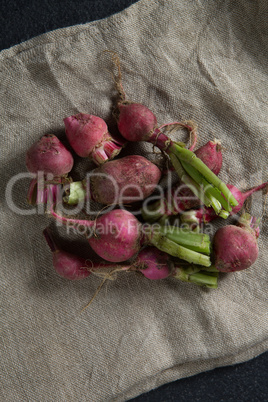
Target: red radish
(47,157)
(242,196)
(118,235)
(145,122)
(122,181)
(67,265)
(235,247)
(89,137)
(211,155)
(153,263)
(181,198)
(206,215)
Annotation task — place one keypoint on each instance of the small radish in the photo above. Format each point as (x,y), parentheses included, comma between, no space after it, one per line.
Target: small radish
(122,181)
(67,265)
(211,155)
(49,155)
(89,137)
(153,263)
(51,159)
(242,196)
(235,247)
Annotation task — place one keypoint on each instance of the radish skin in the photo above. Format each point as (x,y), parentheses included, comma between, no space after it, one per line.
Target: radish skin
(235,247)
(122,181)
(117,236)
(50,156)
(153,263)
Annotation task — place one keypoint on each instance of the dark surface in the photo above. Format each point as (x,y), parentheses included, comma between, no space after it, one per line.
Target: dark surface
(23,19)
(239,383)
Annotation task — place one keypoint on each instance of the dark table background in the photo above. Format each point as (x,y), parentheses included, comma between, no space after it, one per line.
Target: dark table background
(21,20)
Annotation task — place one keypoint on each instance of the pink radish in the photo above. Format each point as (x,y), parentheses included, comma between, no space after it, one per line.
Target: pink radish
(122,181)
(114,236)
(153,263)
(89,137)
(242,196)
(211,155)
(67,265)
(235,247)
(49,158)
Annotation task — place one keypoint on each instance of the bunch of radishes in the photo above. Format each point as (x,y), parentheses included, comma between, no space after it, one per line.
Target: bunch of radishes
(147,243)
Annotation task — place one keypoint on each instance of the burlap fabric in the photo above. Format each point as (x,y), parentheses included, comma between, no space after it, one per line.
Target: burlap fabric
(205,61)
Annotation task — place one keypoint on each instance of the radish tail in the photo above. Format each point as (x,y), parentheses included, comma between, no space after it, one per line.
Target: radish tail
(51,243)
(252,190)
(76,222)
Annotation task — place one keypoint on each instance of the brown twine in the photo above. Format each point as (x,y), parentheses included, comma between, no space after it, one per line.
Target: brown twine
(93,297)
(105,275)
(110,274)
(191,129)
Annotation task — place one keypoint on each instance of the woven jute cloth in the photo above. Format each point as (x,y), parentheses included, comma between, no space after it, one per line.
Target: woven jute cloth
(204,61)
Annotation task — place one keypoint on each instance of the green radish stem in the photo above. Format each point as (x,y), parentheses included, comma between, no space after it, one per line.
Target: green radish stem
(203,277)
(199,242)
(164,244)
(188,156)
(191,183)
(213,194)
